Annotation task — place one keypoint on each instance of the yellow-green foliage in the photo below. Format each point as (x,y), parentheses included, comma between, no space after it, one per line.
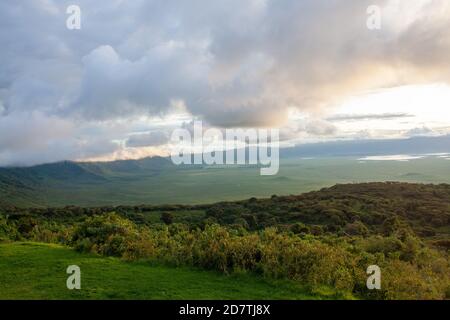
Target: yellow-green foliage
(108,234)
(409,270)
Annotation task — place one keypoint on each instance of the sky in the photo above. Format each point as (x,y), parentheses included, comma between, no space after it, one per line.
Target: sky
(117,87)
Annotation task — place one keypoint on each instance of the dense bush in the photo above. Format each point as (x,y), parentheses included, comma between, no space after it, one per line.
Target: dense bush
(409,270)
(106,234)
(7,231)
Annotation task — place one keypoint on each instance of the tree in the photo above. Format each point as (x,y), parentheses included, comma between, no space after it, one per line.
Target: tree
(167,217)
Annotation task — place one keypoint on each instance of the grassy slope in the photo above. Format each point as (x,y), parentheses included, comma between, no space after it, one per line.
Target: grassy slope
(37,271)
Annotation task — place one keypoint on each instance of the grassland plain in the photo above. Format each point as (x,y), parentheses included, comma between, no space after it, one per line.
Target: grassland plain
(38,271)
(199,185)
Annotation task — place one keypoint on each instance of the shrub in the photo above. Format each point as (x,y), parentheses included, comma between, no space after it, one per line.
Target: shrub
(167,217)
(106,234)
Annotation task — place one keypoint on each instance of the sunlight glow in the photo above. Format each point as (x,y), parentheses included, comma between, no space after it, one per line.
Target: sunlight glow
(402,108)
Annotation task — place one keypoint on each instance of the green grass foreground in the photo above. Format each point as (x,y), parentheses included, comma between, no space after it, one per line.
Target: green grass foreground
(38,271)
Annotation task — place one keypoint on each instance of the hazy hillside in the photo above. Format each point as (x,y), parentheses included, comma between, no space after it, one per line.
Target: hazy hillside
(35,185)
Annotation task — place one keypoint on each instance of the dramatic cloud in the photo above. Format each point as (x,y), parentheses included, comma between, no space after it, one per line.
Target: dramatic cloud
(231,63)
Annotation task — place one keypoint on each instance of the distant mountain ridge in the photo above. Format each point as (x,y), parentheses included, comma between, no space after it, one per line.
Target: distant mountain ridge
(70,170)
(414,145)
(365,147)
(23,183)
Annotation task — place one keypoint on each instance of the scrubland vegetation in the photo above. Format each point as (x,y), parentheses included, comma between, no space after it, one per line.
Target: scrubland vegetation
(320,239)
